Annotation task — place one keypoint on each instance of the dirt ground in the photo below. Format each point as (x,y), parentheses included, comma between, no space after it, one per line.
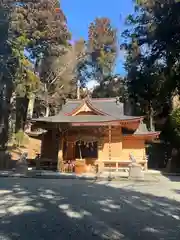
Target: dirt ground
(32,148)
(78,209)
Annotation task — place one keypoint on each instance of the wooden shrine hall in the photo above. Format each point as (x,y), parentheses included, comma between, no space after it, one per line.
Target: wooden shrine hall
(94,135)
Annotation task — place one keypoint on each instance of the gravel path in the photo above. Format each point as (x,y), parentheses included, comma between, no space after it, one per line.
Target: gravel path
(84,210)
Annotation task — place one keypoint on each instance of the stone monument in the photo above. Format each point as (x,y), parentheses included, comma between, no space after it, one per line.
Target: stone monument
(135,170)
(22,165)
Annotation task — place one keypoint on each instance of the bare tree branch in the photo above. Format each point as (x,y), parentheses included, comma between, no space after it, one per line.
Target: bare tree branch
(65,68)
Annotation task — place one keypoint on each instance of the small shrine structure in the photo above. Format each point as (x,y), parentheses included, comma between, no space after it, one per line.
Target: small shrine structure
(95,134)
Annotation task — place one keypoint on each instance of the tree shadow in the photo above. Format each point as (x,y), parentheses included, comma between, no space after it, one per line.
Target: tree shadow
(76,209)
(172,178)
(6,161)
(177,191)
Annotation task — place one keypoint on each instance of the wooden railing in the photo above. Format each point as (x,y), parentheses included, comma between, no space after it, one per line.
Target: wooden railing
(116,165)
(46,164)
(119,165)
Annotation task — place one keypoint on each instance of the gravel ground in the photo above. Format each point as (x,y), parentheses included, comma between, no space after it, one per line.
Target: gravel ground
(79,209)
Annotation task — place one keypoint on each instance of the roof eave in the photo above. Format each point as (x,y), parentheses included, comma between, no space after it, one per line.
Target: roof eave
(121,121)
(133,119)
(146,136)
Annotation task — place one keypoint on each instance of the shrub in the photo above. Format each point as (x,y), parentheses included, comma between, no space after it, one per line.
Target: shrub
(175,120)
(20,138)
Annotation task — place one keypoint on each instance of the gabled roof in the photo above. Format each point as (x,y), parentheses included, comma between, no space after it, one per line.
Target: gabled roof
(105,106)
(107,110)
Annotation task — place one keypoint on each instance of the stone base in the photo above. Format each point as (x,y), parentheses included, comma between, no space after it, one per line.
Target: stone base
(21,168)
(135,172)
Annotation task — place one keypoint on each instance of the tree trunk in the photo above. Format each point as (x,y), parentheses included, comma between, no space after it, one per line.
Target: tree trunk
(31,106)
(21,113)
(12,116)
(151,122)
(78,89)
(47,111)
(30,110)
(151,114)
(6,109)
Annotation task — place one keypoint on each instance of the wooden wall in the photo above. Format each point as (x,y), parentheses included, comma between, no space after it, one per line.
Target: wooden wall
(119,148)
(116,144)
(69,153)
(50,145)
(134,146)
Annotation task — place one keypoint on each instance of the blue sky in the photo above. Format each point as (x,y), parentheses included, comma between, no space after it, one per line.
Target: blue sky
(81,12)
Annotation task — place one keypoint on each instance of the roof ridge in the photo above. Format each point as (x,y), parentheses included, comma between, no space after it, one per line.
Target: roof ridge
(88,101)
(73,100)
(104,99)
(92,99)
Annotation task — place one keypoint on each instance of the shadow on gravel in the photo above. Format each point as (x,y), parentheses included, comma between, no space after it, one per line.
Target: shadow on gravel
(172,177)
(177,191)
(76,209)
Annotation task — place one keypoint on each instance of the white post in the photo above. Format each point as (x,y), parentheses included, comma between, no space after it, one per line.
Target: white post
(78,89)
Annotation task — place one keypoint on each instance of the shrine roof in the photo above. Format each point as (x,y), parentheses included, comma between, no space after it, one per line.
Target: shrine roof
(142,131)
(109,106)
(82,118)
(107,109)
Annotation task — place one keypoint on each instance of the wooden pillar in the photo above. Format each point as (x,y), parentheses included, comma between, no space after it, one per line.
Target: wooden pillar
(42,146)
(110,140)
(60,155)
(100,154)
(145,158)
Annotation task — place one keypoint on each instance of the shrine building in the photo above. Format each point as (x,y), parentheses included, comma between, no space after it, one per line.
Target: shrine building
(95,134)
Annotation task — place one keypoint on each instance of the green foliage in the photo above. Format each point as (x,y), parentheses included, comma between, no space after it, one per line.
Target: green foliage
(7,71)
(44,34)
(26,82)
(175,120)
(37,27)
(47,27)
(111,87)
(102,48)
(151,42)
(20,139)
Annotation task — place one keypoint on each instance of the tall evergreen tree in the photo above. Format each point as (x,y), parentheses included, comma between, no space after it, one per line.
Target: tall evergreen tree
(39,27)
(102,48)
(152,45)
(47,35)
(7,72)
